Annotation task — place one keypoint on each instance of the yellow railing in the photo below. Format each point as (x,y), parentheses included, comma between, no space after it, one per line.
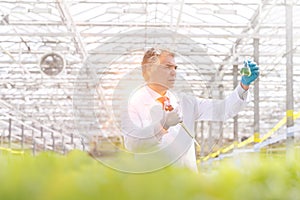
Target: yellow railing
(249,140)
(11,150)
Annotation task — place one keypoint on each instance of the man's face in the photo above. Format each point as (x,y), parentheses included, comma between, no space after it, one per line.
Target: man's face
(165,73)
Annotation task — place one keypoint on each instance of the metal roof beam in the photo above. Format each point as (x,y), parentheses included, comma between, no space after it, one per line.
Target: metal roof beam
(231,35)
(142,25)
(69,22)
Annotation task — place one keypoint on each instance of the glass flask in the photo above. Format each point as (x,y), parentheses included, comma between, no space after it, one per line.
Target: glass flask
(245,71)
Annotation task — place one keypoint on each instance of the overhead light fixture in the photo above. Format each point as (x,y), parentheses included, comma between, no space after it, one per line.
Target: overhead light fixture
(40,10)
(120,49)
(204,11)
(198,48)
(141,10)
(61,48)
(114,10)
(225,12)
(19,9)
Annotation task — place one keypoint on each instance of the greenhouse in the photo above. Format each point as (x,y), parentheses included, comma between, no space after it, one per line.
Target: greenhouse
(74,125)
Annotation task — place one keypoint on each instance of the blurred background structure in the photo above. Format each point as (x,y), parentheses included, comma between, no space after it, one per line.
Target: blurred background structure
(45,44)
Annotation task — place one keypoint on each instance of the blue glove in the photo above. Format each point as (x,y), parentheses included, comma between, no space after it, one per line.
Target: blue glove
(247,80)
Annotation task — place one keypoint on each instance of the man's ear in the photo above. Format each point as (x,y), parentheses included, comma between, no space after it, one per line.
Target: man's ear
(154,60)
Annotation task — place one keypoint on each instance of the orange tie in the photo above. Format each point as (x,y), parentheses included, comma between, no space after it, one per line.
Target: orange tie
(165,101)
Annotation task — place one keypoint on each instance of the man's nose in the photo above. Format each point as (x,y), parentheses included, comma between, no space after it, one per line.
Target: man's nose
(173,71)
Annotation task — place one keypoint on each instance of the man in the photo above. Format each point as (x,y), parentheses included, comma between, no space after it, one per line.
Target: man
(154,114)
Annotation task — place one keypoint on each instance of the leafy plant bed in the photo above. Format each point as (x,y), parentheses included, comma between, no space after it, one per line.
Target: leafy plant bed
(77,176)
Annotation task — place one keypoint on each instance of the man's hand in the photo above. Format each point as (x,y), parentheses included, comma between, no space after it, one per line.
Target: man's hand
(247,80)
(171,118)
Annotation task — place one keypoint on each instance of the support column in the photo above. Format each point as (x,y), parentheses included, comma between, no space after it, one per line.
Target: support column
(9,133)
(289,76)
(221,135)
(235,119)
(256,94)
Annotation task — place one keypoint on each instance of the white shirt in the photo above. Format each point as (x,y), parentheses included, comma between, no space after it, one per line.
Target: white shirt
(143,132)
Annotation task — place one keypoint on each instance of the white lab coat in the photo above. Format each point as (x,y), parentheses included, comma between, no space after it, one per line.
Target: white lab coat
(143,132)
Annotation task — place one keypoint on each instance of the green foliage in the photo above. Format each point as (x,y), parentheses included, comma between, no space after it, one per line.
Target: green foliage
(77,176)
